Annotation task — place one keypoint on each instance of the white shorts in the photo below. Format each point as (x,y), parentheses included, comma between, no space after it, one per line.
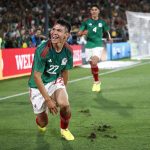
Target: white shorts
(37,100)
(97,51)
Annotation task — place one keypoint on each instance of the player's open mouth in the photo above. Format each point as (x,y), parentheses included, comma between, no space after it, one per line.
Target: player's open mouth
(55,37)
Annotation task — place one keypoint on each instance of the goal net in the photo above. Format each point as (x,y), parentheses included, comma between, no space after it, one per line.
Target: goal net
(139,34)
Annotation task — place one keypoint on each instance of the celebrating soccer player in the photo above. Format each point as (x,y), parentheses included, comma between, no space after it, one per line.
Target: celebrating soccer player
(53,58)
(93,29)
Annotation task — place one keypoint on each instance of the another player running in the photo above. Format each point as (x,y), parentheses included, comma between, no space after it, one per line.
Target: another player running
(93,29)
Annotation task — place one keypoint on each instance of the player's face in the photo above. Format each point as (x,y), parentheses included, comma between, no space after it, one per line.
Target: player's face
(94,11)
(58,34)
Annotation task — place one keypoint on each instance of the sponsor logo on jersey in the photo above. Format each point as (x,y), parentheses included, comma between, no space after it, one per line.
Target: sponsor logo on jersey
(100,25)
(64,61)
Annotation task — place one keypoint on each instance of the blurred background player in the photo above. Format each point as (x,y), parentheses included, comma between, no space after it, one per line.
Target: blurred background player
(92,30)
(53,58)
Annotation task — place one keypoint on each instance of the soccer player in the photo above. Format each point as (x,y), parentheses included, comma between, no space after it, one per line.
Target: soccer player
(93,29)
(53,58)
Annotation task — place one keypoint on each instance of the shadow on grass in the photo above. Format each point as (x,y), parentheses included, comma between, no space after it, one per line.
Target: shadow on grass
(41,143)
(112,106)
(66,145)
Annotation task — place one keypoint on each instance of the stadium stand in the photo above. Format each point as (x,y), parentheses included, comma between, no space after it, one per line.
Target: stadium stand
(20,19)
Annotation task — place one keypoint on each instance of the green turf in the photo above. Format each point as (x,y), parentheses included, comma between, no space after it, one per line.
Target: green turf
(123,104)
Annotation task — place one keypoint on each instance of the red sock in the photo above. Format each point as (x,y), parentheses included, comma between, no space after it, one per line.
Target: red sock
(44,120)
(37,121)
(95,71)
(64,120)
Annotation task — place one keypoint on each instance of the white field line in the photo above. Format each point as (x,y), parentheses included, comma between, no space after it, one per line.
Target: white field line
(15,95)
(84,78)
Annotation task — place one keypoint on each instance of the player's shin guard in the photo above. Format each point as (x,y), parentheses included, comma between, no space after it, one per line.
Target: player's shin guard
(95,71)
(64,120)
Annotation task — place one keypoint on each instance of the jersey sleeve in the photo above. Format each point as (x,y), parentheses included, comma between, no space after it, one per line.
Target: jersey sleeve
(83,26)
(105,27)
(69,64)
(39,62)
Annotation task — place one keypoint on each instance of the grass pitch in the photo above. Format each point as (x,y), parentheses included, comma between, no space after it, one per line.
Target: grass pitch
(115,119)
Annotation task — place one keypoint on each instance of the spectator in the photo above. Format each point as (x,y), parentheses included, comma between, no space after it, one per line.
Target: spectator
(37,38)
(30,14)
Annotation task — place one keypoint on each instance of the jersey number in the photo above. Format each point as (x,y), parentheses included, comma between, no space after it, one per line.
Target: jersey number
(53,69)
(95,29)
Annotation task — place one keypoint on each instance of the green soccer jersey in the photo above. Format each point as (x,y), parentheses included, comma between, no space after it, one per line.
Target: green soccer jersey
(95,32)
(50,63)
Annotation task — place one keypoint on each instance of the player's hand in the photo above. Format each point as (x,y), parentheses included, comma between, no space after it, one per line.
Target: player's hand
(110,40)
(85,32)
(82,40)
(52,106)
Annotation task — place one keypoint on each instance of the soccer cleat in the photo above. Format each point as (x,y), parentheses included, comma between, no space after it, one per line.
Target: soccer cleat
(96,87)
(42,129)
(65,133)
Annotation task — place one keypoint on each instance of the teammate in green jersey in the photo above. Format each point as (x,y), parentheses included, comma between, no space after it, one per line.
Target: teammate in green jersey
(53,58)
(93,29)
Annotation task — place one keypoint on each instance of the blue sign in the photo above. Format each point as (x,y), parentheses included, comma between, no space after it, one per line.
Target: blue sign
(118,50)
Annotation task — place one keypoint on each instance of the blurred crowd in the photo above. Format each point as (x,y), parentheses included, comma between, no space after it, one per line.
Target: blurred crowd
(22,23)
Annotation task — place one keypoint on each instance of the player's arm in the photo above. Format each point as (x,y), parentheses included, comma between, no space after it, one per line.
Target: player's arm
(109,37)
(50,103)
(82,33)
(65,74)
(43,37)
(83,29)
(106,30)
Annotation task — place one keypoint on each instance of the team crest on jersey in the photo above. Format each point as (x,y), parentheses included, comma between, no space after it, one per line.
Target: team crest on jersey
(100,25)
(64,61)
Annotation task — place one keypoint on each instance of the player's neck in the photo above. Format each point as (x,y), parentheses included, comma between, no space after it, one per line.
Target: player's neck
(58,47)
(95,17)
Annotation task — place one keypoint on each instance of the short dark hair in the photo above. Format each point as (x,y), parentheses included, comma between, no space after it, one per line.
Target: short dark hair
(95,5)
(64,23)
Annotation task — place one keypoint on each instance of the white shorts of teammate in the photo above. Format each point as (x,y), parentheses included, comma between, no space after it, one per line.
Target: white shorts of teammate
(37,100)
(90,52)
